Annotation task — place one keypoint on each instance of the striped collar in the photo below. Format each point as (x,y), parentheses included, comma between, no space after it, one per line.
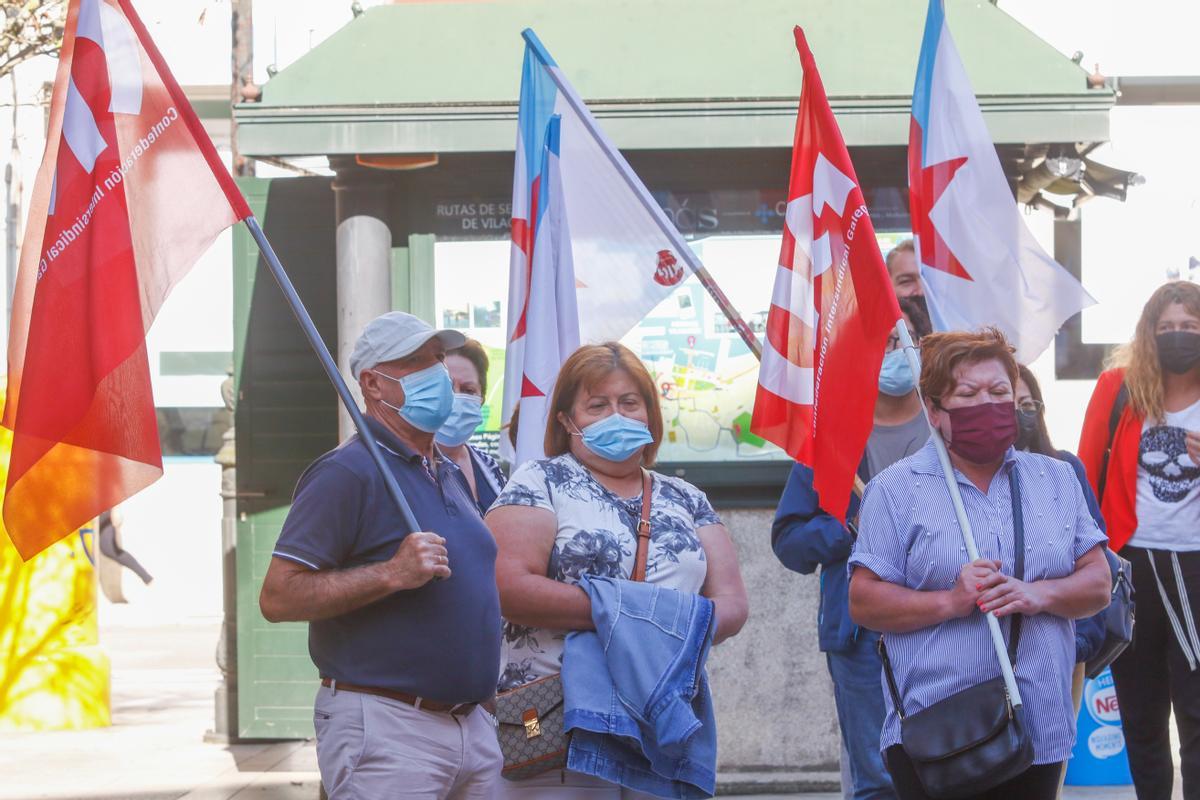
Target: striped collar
(925,460)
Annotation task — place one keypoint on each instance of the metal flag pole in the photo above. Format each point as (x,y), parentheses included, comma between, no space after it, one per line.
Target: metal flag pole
(331,370)
(960,511)
(238,204)
(639,189)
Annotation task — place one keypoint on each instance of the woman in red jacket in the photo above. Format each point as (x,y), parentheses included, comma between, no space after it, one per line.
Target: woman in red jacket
(1141,447)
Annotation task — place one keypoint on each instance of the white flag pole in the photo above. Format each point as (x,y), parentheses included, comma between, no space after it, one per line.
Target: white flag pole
(622,166)
(1010,680)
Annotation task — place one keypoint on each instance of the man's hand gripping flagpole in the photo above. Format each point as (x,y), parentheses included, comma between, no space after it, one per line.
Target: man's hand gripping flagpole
(910,351)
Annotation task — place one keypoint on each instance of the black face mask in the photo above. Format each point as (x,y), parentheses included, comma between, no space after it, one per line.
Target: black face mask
(1027,428)
(1178,351)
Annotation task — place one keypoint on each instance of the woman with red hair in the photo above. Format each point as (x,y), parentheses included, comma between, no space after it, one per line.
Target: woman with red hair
(1041,566)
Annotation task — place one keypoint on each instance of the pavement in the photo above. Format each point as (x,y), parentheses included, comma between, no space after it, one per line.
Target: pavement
(163,680)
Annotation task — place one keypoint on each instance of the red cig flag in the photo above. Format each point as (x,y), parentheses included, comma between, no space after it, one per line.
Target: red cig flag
(832,309)
(130,193)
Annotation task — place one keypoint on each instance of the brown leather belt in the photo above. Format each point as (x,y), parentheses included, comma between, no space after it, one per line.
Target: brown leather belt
(457,710)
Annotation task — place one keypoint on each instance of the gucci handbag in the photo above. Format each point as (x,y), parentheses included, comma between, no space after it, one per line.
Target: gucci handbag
(531,728)
(530,717)
(974,740)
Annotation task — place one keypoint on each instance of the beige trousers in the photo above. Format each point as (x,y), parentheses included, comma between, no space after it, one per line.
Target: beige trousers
(373,748)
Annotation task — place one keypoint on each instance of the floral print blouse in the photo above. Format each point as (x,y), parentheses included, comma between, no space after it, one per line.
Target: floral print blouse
(596,537)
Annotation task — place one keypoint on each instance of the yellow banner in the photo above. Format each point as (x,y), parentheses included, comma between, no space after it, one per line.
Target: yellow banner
(53,674)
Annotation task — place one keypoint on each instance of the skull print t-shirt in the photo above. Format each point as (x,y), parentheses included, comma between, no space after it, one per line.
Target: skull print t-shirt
(1168,484)
(596,537)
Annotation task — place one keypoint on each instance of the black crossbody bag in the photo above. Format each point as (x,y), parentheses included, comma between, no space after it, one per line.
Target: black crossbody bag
(973,740)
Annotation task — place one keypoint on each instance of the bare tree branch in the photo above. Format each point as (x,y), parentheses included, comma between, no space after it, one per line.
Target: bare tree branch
(29,28)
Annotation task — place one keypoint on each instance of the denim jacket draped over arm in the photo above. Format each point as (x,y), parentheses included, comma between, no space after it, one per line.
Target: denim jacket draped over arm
(635,690)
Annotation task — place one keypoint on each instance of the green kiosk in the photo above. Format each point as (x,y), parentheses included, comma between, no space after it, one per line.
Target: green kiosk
(412,107)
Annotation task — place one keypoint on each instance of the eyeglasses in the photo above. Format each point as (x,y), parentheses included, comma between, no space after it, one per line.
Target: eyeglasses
(893,342)
(1031,406)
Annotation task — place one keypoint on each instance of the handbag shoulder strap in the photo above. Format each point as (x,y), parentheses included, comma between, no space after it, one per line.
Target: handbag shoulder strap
(643,529)
(1014,483)
(1019,570)
(897,703)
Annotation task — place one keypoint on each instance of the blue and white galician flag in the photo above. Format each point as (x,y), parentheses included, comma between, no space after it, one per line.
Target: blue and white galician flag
(979,262)
(551,314)
(588,282)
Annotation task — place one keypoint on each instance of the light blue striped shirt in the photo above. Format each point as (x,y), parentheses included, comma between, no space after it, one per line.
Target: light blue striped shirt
(908,535)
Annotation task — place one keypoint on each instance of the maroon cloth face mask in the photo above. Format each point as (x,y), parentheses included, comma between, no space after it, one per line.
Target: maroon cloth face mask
(982,433)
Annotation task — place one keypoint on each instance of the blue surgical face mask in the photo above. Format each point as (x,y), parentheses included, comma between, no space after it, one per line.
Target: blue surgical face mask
(615,437)
(895,377)
(463,421)
(428,397)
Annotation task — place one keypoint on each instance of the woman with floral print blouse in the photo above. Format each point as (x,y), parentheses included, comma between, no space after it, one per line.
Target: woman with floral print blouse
(575,513)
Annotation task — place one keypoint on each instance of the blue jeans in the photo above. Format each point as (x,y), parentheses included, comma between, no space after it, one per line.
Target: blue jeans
(858,694)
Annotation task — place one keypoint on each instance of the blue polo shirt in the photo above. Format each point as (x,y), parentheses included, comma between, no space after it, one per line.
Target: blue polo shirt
(441,641)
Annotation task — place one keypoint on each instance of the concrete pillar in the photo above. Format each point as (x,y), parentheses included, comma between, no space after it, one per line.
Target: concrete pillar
(364,263)
(777,727)
(225,700)
(1074,359)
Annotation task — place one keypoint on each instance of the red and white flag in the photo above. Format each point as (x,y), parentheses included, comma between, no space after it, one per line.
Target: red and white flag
(130,193)
(832,309)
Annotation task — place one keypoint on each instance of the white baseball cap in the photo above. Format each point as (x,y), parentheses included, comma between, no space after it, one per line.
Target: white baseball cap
(396,335)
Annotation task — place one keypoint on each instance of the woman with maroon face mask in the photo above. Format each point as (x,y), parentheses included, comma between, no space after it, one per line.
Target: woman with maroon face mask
(912,580)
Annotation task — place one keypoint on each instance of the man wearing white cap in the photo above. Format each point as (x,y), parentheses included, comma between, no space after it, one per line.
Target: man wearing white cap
(404,626)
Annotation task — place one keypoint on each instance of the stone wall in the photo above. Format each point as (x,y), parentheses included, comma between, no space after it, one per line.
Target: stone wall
(773,696)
